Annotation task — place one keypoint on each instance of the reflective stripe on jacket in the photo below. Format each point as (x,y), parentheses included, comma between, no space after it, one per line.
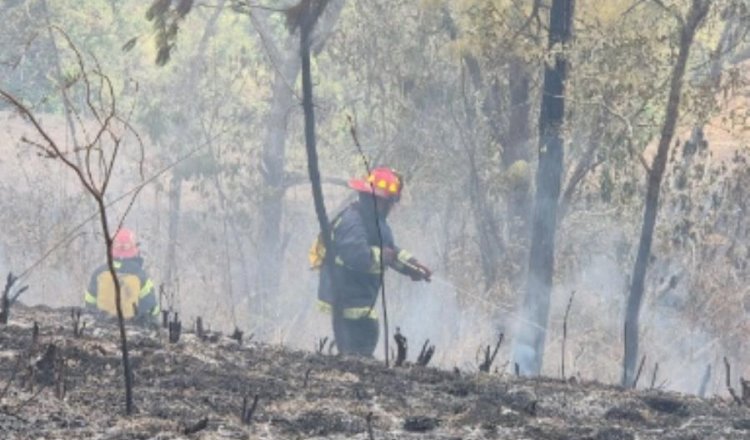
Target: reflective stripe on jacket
(352,273)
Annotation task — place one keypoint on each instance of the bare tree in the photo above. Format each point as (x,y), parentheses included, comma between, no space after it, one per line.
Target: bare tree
(92,159)
(688,27)
(530,339)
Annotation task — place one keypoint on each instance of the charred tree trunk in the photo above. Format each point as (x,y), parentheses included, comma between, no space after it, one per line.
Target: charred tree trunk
(698,10)
(528,350)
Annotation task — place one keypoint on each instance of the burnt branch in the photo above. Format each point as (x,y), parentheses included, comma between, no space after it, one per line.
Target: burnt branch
(368,419)
(8,300)
(425,355)
(247,413)
(175,329)
(638,374)
(565,334)
(731,390)
(78,327)
(401,347)
(237,335)
(322,344)
(199,328)
(489,357)
(60,376)
(653,375)
(745,390)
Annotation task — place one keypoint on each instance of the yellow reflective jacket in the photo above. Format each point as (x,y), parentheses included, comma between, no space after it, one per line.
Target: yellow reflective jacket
(137,296)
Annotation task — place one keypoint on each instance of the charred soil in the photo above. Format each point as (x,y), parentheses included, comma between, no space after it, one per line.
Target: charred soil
(54,385)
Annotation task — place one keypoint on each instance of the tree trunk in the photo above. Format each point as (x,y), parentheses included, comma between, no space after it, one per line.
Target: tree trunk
(175,197)
(698,11)
(272,163)
(528,350)
(518,132)
(288,64)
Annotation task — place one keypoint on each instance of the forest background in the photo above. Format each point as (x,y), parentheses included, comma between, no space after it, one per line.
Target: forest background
(447,93)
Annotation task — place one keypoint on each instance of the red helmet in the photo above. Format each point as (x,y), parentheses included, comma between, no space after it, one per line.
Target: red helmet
(384,182)
(124,244)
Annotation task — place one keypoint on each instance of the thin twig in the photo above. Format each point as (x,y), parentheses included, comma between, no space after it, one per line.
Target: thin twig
(565,333)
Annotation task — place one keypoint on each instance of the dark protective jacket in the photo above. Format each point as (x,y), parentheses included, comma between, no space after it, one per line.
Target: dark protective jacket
(351,273)
(136,290)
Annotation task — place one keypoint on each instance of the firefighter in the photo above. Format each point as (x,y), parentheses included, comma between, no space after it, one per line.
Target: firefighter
(137,296)
(363,246)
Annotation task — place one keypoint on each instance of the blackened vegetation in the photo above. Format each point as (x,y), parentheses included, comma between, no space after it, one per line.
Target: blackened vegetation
(489,356)
(199,328)
(78,327)
(248,411)
(237,335)
(198,426)
(8,299)
(744,398)
(425,355)
(175,328)
(401,347)
(420,423)
(211,388)
(322,344)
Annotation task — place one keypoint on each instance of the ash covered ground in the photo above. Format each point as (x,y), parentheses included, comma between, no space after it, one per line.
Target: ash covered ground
(62,387)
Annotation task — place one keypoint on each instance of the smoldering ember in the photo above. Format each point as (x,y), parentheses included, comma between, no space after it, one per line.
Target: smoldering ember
(469,219)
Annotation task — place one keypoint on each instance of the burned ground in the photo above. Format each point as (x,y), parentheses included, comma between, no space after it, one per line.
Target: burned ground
(59,386)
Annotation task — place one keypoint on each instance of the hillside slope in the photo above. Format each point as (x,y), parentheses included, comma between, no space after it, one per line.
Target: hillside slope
(306,395)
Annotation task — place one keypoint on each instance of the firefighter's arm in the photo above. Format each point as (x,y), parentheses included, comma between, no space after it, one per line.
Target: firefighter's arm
(406,264)
(89,297)
(352,249)
(147,304)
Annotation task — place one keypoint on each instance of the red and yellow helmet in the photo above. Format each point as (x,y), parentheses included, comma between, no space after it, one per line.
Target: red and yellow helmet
(124,244)
(384,182)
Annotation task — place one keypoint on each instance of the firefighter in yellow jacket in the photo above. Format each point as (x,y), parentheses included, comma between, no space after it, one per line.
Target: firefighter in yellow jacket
(136,288)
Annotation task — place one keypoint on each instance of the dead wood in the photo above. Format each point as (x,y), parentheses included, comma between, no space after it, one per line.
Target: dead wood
(237,335)
(175,329)
(75,316)
(425,355)
(729,383)
(199,328)
(653,376)
(247,413)
(745,390)
(638,374)
(198,426)
(7,300)
(401,347)
(322,344)
(489,358)
(565,334)
(369,426)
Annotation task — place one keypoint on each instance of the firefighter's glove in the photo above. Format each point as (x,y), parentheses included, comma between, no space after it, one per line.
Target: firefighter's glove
(389,255)
(418,271)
